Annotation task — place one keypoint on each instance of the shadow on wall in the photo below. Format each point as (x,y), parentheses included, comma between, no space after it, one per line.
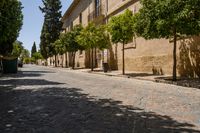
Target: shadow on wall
(157,71)
(113,57)
(189,60)
(68,110)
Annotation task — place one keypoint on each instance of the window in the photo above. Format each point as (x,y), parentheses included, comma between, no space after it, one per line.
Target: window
(97,3)
(80,18)
(97,7)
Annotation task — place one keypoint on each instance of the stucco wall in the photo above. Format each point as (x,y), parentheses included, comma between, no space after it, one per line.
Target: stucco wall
(140,55)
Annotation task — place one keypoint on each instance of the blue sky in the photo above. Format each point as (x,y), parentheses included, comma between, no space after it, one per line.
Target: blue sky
(33,20)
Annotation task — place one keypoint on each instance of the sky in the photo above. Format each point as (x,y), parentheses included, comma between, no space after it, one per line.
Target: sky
(33,21)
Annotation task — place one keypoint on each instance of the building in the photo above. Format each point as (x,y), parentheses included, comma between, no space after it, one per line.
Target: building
(140,55)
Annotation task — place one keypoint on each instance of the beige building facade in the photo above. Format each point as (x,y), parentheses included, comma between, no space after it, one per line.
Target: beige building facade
(140,55)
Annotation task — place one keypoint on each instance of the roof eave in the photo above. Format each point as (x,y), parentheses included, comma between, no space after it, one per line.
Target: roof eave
(70,9)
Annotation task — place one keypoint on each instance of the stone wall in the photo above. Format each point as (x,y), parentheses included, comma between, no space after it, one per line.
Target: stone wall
(189,59)
(140,55)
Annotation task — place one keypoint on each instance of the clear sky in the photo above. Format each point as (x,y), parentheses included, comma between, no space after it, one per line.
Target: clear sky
(33,20)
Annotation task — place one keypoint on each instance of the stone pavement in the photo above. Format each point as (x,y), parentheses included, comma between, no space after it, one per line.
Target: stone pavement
(195,83)
(53,100)
(129,74)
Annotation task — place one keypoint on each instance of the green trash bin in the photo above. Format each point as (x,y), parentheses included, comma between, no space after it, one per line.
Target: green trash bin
(9,65)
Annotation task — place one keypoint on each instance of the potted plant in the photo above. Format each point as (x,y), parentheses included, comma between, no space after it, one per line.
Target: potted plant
(10,61)
(11,23)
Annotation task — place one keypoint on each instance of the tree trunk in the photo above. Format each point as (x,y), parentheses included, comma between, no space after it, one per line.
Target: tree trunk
(89,60)
(74,56)
(92,66)
(55,60)
(95,57)
(46,62)
(66,62)
(123,61)
(63,60)
(72,60)
(116,57)
(174,56)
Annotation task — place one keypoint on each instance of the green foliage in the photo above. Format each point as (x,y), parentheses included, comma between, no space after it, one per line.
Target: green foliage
(37,56)
(70,41)
(43,42)
(10,24)
(158,19)
(103,39)
(59,47)
(51,27)
(168,19)
(34,49)
(17,49)
(121,27)
(25,54)
(93,37)
(27,60)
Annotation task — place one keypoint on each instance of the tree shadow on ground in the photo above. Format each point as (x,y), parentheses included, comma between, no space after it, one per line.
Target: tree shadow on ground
(26,82)
(185,82)
(139,74)
(68,110)
(133,75)
(22,74)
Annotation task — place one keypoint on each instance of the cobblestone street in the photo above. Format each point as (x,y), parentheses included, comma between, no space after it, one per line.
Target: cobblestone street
(58,100)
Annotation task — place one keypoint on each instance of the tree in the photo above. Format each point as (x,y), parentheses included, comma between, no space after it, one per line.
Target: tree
(36,56)
(51,27)
(34,49)
(43,42)
(25,53)
(17,49)
(93,37)
(60,48)
(11,21)
(168,19)
(25,56)
(70,42)
(121,30)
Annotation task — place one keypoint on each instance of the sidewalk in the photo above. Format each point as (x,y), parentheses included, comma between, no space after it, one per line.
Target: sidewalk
(194,83)
(167,79)
(129,74)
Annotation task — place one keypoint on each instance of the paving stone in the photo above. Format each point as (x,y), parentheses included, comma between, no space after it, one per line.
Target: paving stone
(51,100)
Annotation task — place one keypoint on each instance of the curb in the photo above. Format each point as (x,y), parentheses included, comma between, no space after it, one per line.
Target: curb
(123,76)
(153,80)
